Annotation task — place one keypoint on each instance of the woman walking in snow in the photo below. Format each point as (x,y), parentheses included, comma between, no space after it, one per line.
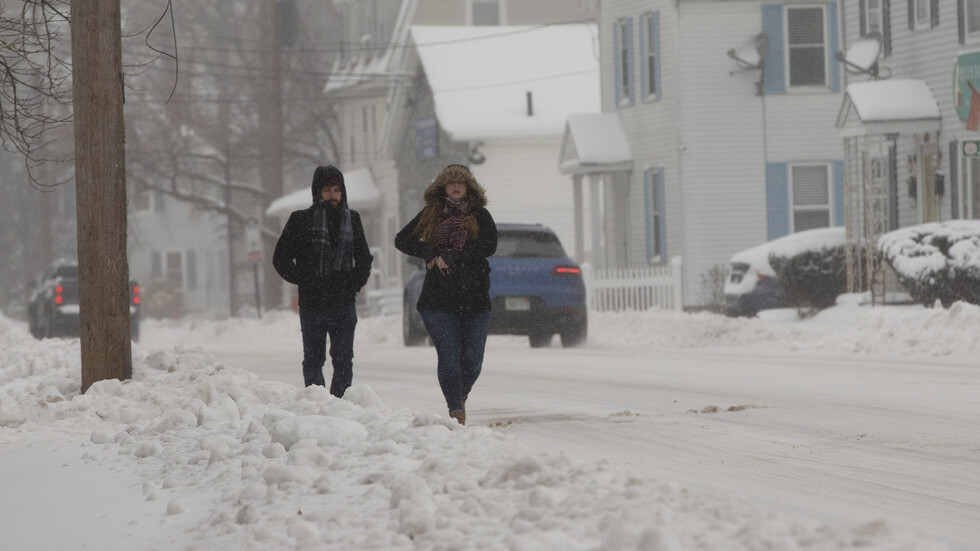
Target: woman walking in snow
(454,234)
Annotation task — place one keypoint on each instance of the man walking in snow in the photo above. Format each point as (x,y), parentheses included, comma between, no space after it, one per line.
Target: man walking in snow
(323,251)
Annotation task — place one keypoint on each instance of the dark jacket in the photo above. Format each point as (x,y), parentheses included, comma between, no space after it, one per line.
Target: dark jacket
(466,288)
(296,257)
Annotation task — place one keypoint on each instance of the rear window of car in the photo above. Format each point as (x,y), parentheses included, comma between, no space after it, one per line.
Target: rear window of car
(528,244)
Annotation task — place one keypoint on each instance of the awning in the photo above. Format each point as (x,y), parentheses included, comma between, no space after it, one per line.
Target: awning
(594,143)
(362,194)
(881,107)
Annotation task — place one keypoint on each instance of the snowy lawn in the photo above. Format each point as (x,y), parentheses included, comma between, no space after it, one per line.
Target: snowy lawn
(195,454)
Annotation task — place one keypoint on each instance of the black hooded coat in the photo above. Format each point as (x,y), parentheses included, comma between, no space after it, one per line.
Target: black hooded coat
(297,256)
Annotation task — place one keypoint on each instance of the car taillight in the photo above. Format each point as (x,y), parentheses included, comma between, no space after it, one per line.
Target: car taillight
(566,270)
(136,294)
(59,294)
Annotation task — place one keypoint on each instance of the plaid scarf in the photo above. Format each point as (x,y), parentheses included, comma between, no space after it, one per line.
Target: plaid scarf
(450,235)
(340,258)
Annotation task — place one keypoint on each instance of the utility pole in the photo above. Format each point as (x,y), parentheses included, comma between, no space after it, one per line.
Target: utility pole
(271,120)
(100,190)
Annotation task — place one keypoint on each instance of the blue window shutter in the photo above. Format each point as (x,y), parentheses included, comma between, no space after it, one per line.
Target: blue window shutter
(934,12)
(833,47)
(617,62)
(838,193)
(911,15)
(648,202)
(630,61)
(644,51)
(953,184)
(661,213)
(886,31)
(961,20)
(774,73)
(862,18)
(777,199)
(656,54)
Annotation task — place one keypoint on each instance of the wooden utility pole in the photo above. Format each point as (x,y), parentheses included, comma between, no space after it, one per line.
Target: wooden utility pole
(100,190)
(270,119)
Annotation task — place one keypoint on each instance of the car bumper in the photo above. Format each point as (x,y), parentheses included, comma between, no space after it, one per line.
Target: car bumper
(539,316)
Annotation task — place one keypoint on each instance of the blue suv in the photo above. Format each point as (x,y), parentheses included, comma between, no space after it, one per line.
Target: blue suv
(535,290)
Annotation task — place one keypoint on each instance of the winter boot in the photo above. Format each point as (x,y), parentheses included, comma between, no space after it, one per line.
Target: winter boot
(459,416)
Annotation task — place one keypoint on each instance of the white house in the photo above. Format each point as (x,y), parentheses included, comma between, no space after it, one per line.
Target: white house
(374,88)
(728,109)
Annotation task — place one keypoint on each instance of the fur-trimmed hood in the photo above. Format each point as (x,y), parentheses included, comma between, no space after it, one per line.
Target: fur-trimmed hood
(435,194)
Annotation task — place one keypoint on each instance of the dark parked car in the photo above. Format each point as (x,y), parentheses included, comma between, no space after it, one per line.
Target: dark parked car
(53,303)
(535,290)
(752,285)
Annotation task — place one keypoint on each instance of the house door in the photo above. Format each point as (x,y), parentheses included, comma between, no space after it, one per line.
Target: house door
(971,188)
(929,201)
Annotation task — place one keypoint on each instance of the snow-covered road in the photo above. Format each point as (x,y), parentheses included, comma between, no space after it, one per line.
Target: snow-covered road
(840,437)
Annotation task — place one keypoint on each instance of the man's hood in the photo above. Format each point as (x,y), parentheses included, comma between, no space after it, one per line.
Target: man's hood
(324,174)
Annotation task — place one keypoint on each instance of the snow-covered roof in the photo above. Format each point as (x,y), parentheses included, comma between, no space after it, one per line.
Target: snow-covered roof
(885,106)
(594,142)
(481,76)
(362,194)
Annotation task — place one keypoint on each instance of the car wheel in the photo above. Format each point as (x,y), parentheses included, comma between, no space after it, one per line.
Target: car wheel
(411,335)
(576,333)
(539,340)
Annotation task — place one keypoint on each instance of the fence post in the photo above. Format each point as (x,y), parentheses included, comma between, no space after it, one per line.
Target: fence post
(675,267)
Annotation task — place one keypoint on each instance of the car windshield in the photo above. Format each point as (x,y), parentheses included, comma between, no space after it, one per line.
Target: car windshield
(528,244)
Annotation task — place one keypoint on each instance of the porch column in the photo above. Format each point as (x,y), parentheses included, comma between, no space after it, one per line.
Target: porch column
(579,218)
(595,202)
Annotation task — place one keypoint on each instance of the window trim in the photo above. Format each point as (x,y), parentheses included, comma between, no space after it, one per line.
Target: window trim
(829,206)
(623,71)
(971,36)
(790,87)
(501,12)
(650,48)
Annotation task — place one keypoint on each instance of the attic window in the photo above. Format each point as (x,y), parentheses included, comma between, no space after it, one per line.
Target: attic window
(485,12)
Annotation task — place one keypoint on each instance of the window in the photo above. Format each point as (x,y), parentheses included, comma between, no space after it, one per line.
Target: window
(873,18)
(806,41)
(650,33)
(485,12)
(972,17)
(656,238)
(810,188)
(623,64)
(191,258)
(175,270)
(922,13)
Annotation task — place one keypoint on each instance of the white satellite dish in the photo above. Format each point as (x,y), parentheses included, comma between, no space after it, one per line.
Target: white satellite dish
(862,57)
(751,54)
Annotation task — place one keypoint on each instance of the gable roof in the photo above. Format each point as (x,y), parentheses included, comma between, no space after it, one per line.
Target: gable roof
(362,194)
(888,106)
(482,77)
(594,142)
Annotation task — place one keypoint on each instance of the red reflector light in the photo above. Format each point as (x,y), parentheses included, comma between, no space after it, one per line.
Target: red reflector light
(136,294)
(566,270)
(59,289)
(136,300)
(136,289)
(58,299)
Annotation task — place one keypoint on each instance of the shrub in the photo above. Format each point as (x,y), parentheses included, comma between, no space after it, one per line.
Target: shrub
(936,261)
(812,278)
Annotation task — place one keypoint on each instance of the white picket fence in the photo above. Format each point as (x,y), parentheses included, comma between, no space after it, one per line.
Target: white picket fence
(643,288)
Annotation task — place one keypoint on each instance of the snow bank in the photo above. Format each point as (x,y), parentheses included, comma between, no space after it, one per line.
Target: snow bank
(263,465)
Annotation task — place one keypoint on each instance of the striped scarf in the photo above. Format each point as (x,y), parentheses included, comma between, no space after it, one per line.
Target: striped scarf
(341,258)
(450,235)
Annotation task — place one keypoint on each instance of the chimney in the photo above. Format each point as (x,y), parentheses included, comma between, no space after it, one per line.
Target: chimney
(530,104)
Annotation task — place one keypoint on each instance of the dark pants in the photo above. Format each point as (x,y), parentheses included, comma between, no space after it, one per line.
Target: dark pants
(460,339)
(339,325)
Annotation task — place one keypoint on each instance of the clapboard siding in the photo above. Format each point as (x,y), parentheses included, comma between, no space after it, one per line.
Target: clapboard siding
(708,132)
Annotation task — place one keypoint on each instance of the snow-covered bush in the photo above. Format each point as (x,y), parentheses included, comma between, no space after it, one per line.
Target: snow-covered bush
(812,267)
(936,261)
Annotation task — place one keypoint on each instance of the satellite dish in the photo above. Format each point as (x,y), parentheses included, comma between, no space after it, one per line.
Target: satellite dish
(862,57)
(752,53)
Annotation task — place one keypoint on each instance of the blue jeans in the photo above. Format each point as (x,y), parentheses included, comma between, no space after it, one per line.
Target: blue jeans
(316,326)
(460,339)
